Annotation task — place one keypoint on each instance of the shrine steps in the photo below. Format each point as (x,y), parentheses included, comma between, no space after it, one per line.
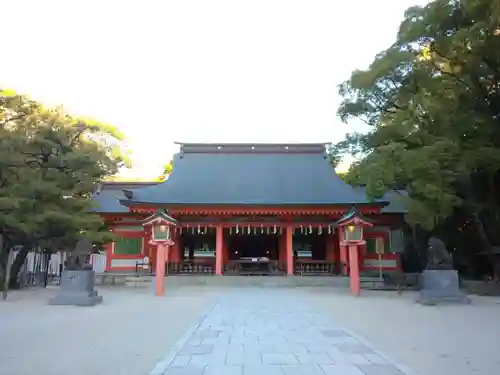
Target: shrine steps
(145,281)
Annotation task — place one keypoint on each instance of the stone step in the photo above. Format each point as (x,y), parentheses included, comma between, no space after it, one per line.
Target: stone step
(139,279)
(237,281)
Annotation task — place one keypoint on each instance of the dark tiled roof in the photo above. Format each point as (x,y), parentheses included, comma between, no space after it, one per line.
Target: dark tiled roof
(395,199)
(107,199)
(259,174)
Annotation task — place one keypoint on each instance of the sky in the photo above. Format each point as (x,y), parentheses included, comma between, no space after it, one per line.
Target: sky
(166,71)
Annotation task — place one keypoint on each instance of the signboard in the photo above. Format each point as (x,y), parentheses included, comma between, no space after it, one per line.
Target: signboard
(380,245)
(396,241)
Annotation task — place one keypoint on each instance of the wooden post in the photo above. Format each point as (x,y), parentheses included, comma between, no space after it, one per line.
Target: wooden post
(289,251)
(354,270)
(344,262)
(219,244)
(109,256)
(160,269)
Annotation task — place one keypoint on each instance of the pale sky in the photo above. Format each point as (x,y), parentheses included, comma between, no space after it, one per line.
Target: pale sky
(195,70)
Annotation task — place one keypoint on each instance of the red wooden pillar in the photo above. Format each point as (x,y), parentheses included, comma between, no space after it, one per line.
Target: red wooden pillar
(152,257)
(219,246)
(289,250)
(109,256)
(354,269)
(225,250)
(161,251)
(344,261)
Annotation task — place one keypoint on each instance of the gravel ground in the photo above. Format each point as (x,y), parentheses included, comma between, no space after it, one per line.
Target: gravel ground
(431,340)
(119,337)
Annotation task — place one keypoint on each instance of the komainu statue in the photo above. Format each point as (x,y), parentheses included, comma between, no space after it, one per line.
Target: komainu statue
(79,256)
(438,257)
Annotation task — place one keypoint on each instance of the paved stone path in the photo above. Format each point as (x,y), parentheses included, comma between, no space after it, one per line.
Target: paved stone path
(271,332)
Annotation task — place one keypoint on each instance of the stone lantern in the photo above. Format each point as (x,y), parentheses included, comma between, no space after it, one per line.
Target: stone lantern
(160,225)
(351,227)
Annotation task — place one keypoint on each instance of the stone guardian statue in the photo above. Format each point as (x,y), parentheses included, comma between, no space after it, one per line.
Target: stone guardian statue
(439,280)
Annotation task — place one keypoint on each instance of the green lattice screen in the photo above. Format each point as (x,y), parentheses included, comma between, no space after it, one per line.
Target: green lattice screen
(128,246)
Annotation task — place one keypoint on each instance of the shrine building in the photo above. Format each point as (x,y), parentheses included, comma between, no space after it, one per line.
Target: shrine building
(242,209)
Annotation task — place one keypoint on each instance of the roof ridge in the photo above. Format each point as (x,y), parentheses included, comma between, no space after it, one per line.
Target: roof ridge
(253,148)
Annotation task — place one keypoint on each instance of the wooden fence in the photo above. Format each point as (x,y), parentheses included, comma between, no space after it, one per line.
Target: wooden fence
(41,268)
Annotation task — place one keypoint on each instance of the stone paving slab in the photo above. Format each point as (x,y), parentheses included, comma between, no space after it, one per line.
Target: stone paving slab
(270,332)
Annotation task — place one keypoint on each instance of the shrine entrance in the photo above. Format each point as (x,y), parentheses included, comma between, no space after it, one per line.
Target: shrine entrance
(253,246)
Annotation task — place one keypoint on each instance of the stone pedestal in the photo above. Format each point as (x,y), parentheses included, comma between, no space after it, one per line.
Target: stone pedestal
(441,286)
(77,288)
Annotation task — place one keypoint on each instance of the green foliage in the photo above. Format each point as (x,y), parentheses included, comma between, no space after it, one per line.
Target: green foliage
(431,100)
(50,164)
(167,169)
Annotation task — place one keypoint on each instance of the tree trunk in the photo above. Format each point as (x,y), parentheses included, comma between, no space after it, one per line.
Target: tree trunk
(4,268)
(485,242)
(16,266)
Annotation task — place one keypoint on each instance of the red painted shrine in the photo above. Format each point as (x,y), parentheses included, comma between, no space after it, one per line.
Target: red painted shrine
(266,209)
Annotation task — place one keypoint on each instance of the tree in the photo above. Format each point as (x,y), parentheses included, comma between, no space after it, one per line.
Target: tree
(167,169)
(50,164)
(432,101)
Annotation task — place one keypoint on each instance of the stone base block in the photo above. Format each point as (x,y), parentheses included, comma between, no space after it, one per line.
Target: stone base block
(441,286)
(75,299)
(77,289)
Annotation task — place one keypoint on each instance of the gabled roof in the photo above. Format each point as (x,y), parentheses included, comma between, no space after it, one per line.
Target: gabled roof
(353,215)
(107,198)
(250,174)
(159,216)
(395,199)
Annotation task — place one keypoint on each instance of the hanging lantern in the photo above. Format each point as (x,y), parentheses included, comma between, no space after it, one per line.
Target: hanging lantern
(198,229)
(192,230)
(230,230)
(254,231)
(301,229)
(261,228)
(237,229)
(351,226)
(329,229)
(274,228)
(320,230)
(249,229)
(353,232)
(310,229)
(161,232)
(160,225)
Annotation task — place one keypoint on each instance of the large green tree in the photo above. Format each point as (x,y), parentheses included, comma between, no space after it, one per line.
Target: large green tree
(432,101)
(50,164)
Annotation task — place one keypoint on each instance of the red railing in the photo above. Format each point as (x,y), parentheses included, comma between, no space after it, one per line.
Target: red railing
(248,267)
